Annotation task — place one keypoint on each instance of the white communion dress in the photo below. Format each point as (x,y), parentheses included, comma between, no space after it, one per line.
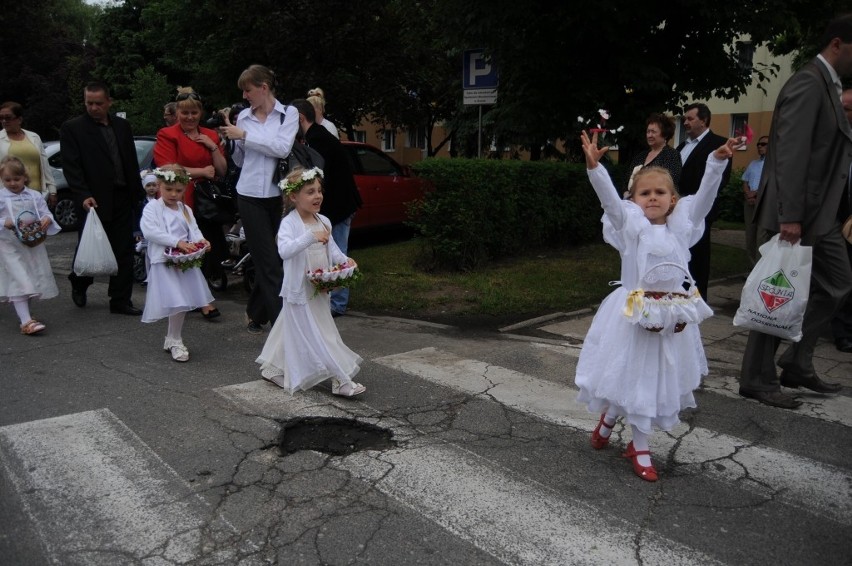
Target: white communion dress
(304,345)
(170,290)
(637,357)
(24,271)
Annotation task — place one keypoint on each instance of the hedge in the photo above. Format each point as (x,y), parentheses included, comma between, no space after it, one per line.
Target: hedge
(482,210)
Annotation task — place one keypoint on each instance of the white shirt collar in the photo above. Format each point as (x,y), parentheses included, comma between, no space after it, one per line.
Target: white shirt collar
(832,73)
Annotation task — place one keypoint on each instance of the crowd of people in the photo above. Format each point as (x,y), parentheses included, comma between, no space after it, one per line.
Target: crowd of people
(642,358)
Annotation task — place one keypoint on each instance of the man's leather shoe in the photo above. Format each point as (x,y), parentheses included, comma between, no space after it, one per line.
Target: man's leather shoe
(78,296)
(812,382)
(844,345)
(125,309)
(772,398)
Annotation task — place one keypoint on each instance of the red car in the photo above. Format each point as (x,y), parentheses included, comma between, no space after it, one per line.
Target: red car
(385,186)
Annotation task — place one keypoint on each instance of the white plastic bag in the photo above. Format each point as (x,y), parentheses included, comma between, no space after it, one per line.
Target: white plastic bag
(94,255)
(776,292)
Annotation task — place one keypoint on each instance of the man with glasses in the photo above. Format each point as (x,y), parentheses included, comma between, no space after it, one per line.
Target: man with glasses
(170,114)
(100,165)
(751,180)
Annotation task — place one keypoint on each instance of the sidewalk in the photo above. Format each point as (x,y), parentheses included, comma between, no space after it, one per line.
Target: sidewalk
(724,342)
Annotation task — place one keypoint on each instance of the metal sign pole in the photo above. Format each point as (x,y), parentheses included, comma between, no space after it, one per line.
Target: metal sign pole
(479,137)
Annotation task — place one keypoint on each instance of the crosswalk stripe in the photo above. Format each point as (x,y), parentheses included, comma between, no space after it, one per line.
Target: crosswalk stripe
(800,482)
(97,492)
(512,518)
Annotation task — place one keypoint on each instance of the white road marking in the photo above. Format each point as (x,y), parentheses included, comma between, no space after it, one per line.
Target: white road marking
(801,482)
(97,494)
(512,518)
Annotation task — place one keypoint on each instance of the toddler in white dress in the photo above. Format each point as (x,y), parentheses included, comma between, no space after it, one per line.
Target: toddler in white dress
(173,287)
(643,357)
(304,347)
(25,271)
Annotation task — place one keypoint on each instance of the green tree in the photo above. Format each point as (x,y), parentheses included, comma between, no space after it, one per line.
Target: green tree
(148,89)
(45,45)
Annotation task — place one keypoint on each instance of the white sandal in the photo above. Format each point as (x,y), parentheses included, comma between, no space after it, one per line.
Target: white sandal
(177,349)
(348,389)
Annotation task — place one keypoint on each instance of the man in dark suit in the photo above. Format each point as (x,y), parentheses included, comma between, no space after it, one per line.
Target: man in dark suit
(700,143)
(803,196)
(100,164)
(341,197)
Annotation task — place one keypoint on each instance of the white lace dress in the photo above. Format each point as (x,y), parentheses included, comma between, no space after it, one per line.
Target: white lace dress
(647,376)
(24,271)
(304,345)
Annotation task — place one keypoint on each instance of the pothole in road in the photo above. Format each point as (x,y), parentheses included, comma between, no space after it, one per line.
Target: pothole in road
(331,435)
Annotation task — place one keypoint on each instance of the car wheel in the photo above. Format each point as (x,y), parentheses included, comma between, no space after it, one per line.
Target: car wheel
(65,213)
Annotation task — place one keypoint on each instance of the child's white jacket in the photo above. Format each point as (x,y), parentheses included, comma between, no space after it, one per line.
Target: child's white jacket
(153,227)
(293,241)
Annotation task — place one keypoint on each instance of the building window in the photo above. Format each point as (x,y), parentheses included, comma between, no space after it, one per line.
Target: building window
(360,136)
(745,56)
(416,138)
(739,123)
(388,140)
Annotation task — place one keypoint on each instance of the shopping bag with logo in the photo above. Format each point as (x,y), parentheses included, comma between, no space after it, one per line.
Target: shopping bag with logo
(776,292)
(94,254)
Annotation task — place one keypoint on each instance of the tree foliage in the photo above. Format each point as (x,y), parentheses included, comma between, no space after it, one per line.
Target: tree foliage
(399,61)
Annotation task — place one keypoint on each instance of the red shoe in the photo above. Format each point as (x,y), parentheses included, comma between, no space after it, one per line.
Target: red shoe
(599,441)
(646,473)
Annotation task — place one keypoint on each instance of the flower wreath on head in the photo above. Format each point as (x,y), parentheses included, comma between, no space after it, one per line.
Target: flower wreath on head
(307,176)
(170,176)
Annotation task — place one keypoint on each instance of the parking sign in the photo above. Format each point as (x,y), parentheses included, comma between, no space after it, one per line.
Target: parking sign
(479,79)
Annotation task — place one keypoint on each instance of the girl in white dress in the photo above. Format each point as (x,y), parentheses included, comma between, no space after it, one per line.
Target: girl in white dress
(173,288)
(25,272)
(304,347)
(642,357)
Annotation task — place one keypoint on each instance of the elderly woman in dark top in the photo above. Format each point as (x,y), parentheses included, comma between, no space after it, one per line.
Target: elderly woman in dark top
(659,130)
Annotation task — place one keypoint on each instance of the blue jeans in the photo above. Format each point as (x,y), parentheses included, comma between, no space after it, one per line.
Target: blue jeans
(340,235)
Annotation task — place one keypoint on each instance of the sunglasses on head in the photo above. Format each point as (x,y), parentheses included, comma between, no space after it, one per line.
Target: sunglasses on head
(185,95)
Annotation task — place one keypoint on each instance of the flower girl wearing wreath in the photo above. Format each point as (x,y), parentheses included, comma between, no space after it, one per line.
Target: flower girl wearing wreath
(643,357)
(25,271)
(175,250)
(304,347)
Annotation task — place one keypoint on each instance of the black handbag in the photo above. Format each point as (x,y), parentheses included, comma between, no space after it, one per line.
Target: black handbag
(213,201)
(301,155)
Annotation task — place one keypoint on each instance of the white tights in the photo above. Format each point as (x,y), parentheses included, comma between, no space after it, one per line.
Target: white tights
(640,439)
(175,327)
(22,308)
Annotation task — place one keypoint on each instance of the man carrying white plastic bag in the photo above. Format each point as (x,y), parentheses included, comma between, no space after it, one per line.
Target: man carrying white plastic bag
(776,292)
(803,196)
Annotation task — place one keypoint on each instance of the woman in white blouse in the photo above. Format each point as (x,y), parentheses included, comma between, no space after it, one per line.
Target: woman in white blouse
(264,133)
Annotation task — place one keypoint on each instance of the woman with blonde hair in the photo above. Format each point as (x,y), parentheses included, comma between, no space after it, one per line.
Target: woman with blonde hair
(316,97)
(196,149)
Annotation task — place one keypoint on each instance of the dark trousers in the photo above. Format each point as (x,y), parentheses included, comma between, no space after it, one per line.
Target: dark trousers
(261,218)
(831,281)
(699,262)
(213,233)
(841,324)
(119,231)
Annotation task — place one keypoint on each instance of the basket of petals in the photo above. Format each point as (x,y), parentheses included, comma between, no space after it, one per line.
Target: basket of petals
(28,229)
(339,275)
(186,260)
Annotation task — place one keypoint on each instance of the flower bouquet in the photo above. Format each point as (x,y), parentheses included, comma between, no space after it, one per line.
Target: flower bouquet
(339,275)
(186,260)
(28,229)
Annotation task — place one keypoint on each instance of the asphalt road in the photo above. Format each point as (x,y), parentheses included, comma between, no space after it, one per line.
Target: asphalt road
(111,453)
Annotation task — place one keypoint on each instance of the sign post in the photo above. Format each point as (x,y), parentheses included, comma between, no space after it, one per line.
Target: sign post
(479,80)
